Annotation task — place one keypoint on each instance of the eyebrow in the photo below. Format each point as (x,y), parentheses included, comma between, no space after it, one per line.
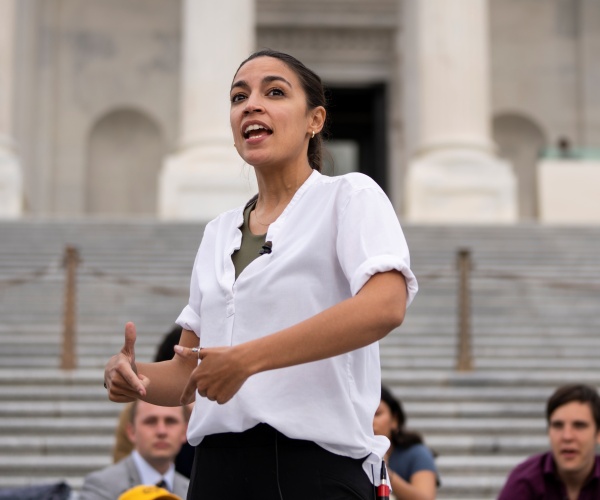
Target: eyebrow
(266,79)
(574,422)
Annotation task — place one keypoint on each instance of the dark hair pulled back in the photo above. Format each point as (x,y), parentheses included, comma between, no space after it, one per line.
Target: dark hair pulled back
(401,438)
(315,96)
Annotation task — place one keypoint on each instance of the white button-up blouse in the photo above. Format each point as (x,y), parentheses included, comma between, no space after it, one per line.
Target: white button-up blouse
(335,233)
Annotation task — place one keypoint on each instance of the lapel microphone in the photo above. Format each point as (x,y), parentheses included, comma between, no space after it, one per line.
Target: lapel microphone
(266,248)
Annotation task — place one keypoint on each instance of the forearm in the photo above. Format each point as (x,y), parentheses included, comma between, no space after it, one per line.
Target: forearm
(421,488)
(169,378)
(354,323)
(167,381)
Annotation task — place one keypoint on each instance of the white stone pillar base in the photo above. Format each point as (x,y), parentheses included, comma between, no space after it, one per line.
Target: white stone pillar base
(11,186)
(201,183)
(569,191)
(460,186)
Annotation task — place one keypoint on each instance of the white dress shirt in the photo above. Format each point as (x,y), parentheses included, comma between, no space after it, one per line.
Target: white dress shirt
(335,234)
(149,475)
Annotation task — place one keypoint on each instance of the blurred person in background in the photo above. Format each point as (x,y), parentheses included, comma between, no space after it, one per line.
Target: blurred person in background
(411,467)
(571,469)
(157,433)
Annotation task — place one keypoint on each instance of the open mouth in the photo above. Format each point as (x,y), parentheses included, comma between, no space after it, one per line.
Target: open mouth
(255,130)
(568,453)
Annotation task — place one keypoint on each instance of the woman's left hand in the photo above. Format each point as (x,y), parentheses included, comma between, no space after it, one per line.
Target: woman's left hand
(219,375)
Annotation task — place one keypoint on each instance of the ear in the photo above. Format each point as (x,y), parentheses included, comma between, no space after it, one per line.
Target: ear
(130,432)
(316,119)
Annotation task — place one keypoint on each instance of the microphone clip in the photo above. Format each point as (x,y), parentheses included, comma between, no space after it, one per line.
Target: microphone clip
(266,248)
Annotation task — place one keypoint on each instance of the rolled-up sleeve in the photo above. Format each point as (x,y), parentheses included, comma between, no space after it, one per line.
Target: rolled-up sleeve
(370,240)
(190,316)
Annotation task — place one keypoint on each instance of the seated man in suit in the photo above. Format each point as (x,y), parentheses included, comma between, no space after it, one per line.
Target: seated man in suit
(157,433)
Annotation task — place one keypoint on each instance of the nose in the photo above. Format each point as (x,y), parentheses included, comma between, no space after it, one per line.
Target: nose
(567,433)
(161,428)
(253,105)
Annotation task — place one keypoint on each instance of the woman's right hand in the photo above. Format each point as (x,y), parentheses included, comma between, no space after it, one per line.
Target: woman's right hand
(120,374)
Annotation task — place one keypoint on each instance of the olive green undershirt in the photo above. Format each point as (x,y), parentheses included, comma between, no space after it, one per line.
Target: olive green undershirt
(251,244)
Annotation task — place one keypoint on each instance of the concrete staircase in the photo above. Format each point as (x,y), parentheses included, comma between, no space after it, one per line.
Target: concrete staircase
(535,302)
(536,296)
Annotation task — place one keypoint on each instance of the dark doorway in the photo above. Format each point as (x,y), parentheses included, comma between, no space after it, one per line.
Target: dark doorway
(357,131)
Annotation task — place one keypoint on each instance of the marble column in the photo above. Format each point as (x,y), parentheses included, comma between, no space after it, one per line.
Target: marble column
(453,174)
(11,177)
(206,176)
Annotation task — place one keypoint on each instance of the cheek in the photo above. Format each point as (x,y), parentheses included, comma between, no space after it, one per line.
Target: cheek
(382,423)
(234,122)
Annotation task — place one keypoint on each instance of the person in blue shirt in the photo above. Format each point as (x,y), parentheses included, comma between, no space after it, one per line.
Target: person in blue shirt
(411,466)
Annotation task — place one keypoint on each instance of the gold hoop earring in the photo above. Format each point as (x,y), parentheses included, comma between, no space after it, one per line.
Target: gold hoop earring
(313,135)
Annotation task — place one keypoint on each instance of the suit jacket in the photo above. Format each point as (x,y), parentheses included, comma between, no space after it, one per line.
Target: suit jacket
(111,482)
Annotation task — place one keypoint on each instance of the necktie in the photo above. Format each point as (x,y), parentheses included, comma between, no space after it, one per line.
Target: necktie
(162,484)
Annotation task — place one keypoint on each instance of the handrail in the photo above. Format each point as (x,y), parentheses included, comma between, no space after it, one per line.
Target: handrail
(464,359)
(70,263)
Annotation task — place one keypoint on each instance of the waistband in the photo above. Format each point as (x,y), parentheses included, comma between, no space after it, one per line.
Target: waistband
(260,435)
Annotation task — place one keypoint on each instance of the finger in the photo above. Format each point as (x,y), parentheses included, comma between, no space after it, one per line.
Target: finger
(188,352)
(130,338)
(189,393)
(127,377)
(121,390)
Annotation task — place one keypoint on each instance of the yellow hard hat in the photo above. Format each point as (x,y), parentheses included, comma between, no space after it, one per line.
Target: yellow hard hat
(148,493)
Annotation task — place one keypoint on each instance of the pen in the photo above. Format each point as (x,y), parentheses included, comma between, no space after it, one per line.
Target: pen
(383,490)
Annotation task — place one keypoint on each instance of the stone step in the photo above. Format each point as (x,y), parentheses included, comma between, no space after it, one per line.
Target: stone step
(527,352)
(492,464)
(487,445)
(35,426)
(81,393)
(471,410)
(51,465)
(60,408)
(542,378)
(43,377)
(499,426)
(491,341)
(459,486)
(12,481)
(494,364)
(478,394)
(57,445)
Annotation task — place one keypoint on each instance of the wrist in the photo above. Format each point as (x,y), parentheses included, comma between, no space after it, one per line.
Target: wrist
(249,358)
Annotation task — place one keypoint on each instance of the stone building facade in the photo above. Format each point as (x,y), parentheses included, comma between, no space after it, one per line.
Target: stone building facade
(119,108)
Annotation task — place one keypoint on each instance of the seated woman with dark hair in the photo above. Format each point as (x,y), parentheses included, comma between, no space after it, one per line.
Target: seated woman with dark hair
(411,466)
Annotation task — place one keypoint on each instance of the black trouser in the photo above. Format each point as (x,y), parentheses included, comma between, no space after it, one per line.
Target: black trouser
(263,464)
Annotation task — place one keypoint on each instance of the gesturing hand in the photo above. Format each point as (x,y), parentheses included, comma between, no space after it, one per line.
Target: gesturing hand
(218,376)
(120,374)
